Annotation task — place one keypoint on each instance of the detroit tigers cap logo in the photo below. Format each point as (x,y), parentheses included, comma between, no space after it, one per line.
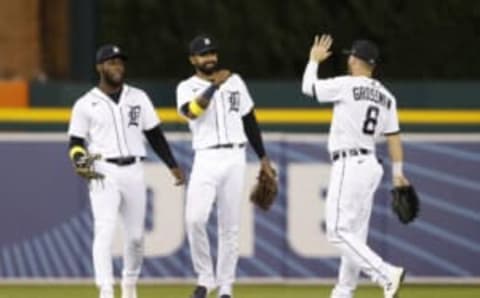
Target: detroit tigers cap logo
(202,44)
(109,51)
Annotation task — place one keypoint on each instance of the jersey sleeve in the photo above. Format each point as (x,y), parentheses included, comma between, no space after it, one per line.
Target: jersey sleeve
(392,126)
(323,90)
(246,102)
(184,95)
(150,117)
(79,121)
(328,90)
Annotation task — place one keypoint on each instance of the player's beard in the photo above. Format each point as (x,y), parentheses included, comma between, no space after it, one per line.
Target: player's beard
(207,68)
(113,81)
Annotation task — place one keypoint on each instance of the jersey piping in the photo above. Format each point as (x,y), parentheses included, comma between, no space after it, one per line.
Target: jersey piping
(117,135)
(124,132)
(225,123)
(217,124)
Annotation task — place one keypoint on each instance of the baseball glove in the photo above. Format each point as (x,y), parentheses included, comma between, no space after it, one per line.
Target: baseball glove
(265,191)
(405,203)
(84,166)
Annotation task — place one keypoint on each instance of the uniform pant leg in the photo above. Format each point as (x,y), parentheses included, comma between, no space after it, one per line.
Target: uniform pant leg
(132,211)
(348,275)
(201,193)
(229,211)
(349,271)
(105,202)
(343,207)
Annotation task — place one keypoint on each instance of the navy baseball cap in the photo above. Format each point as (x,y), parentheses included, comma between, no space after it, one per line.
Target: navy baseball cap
(365,50)
(202,44)
(109,51)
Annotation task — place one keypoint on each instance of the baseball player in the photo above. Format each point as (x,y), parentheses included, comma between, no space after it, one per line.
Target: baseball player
(221,117)
(363,110)
(111,121)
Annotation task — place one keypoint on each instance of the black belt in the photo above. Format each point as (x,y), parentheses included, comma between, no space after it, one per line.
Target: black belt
(124,161)
(227,146)
(336,155)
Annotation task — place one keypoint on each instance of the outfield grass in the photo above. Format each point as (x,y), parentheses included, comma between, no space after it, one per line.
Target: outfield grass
(243,291)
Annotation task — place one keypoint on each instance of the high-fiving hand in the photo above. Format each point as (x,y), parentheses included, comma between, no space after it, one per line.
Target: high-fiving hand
(320,50)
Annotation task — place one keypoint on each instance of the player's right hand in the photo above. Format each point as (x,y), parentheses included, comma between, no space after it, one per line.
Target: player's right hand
(400,181)
(320,50)
(178,175)
(266,167)
(83,164)
(220,76)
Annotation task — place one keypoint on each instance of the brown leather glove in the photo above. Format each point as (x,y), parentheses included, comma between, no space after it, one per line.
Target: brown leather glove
(265,191)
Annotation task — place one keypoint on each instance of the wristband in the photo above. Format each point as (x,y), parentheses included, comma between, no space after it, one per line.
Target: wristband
(397,169)
(195,108)
(76,149)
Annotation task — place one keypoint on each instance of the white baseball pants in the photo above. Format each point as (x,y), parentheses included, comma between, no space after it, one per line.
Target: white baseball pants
(122,193)
(217,175)
(349,204)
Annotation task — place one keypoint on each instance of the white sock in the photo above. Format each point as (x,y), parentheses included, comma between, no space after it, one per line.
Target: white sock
(106,292)
(225,290)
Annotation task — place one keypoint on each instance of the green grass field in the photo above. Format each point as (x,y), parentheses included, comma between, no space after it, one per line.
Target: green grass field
(241,291)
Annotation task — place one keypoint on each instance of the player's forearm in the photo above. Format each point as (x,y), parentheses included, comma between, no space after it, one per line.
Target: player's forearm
(76,141)
(395,151)
(198,105)
(76,147)
(309,78)
(252,131)
(159,144)
(206,96)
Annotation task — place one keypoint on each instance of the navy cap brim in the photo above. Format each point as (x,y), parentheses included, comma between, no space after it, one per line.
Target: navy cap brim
(113,56)
(204,50)
(351,52)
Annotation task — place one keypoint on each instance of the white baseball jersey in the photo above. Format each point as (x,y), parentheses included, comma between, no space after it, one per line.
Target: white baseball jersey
(363,108)
(221,123)
(110,129)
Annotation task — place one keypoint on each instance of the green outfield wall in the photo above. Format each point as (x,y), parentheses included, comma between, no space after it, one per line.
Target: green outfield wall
(425,106)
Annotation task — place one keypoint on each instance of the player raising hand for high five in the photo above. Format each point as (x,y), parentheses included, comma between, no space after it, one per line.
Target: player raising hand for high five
(363,110)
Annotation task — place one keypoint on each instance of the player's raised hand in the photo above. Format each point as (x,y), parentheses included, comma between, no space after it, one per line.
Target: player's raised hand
(320,50)
(178,175)
(220,76)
